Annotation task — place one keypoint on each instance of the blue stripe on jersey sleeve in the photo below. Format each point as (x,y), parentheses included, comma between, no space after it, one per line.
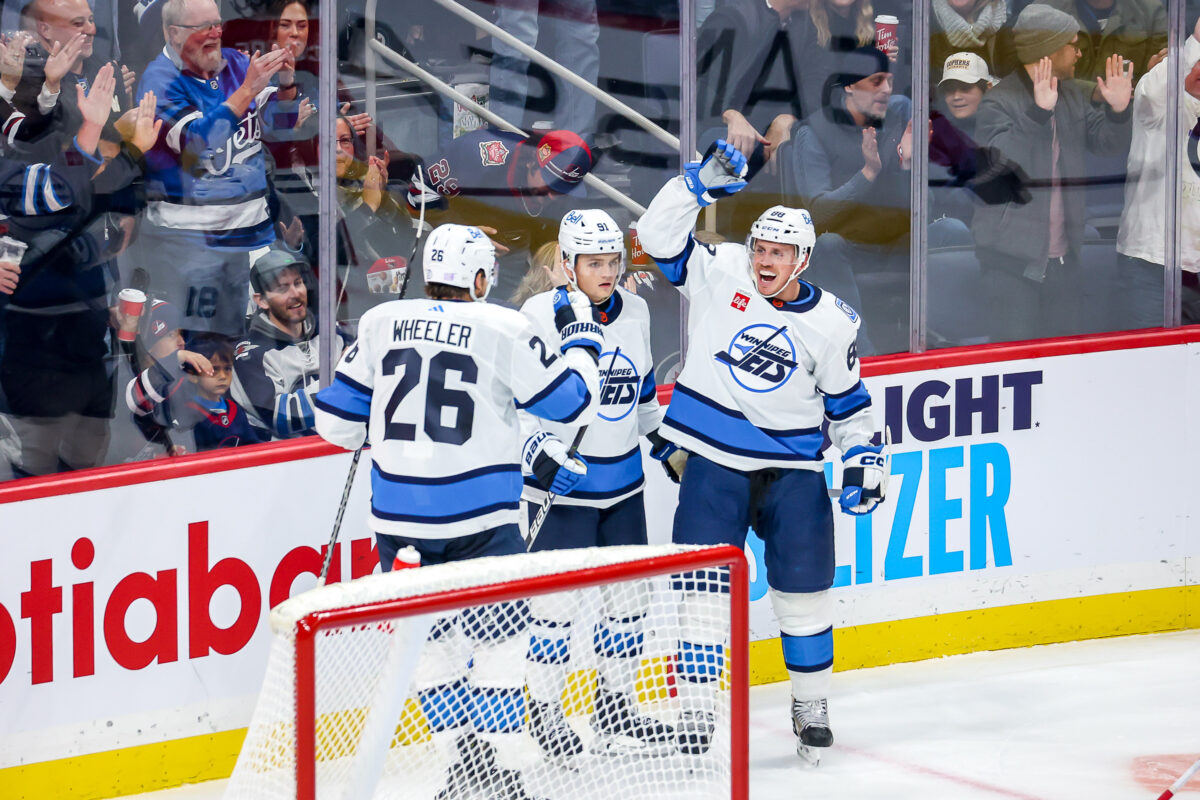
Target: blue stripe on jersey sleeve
(721,427)
(649,387)
(452,498)
(346,399)
(676,268)
(562,401)
(606,477)
(848,403)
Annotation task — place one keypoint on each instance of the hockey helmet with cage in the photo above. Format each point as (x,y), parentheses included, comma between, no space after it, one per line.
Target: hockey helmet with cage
(589,231)
(783,225)
(454,254)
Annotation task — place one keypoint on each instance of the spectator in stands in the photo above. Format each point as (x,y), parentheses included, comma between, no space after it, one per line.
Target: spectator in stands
(158,394)
(1136,30)
(521,184)
(207,180)
(567,28)
(277,365)
(971,26)
(217,421)
(1042,121)
(749,89)
(32,122)
(374,223)
(1140,241)
(56,326)
(965,79)
(833,28)
(544,273)
(64,31)
(848,174)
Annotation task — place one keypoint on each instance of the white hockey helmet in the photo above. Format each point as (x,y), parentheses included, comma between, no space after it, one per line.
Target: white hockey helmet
(454,254)
(589,231)
(783,225)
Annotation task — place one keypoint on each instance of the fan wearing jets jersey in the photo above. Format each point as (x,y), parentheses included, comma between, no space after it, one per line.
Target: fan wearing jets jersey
(436,384)
(769,358)
(605,508)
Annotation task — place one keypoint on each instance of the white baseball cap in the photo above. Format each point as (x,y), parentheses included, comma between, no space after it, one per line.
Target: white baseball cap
(966,68)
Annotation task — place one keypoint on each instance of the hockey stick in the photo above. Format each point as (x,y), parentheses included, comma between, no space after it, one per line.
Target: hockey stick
(1184,778)
(548,501)
(337,522)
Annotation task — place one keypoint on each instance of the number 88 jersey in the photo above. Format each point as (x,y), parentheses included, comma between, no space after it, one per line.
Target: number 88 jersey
(435,386)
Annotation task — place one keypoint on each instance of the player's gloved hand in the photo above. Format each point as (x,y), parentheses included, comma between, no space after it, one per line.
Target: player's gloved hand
(720,174)
(672,457)
(865,475)
(545,456)
(575,318)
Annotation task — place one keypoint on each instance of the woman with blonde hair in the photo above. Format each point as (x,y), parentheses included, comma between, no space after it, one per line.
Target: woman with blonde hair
(545,272)
(832,27)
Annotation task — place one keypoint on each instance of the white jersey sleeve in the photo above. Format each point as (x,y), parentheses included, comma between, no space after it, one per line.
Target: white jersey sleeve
(626,367)
(665,233)
(437,385)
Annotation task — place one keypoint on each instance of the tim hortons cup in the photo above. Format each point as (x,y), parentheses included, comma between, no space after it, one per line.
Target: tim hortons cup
(637,256)
(130,303)
(886,27)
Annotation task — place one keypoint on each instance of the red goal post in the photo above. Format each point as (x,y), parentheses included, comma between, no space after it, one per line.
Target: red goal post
(379,607)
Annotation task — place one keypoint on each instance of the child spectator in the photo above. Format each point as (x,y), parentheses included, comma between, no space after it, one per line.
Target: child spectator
(216,420)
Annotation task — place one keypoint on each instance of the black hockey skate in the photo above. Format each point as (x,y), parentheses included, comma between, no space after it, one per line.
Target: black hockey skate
(810,723)
(694,732)
(621,729)
(472,769)
(550,730)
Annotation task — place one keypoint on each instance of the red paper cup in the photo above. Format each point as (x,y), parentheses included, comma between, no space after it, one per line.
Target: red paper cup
(637,256)
(130,303)
(886,28)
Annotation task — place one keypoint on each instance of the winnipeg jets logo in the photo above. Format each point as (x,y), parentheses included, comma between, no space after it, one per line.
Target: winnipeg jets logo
(760,358)
(619,384)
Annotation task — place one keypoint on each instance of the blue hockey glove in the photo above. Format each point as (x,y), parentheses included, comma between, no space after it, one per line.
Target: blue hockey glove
(720,174)
(574,316)
(545,457)
(865,475)
(673,458)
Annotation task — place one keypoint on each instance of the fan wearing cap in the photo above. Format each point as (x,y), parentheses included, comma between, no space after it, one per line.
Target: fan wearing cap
(771,358)
(965,79)
(517,184)
(1044,123)
(848,175)
(277,363)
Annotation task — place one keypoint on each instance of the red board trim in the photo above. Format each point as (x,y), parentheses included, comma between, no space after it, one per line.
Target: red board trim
(313,447)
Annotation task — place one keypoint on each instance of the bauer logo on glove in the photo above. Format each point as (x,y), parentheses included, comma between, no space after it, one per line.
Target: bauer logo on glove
(555,469)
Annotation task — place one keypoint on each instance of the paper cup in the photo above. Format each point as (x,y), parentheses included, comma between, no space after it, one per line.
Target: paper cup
(886,28)
(637,256)
(12,250)
(130,303)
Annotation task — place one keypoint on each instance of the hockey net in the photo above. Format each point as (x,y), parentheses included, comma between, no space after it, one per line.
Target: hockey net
(424,683)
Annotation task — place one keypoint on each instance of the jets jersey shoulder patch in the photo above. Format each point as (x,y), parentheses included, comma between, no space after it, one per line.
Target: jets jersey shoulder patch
(847,310)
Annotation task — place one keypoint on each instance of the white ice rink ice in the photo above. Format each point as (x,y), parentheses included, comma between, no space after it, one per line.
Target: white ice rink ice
(1103,719)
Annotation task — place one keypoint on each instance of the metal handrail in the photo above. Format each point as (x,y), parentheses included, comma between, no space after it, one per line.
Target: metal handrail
(449,91)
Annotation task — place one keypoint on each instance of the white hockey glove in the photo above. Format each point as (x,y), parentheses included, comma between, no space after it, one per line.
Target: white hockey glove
(865,473)
(545,457)
(720,174)
(574,316)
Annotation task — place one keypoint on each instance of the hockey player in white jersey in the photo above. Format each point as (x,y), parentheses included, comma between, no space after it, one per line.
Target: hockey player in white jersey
(435,385)
(769,357)
(606,507)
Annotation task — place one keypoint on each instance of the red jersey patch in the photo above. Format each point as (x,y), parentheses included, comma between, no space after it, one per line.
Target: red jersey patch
(493,153)
(740,301)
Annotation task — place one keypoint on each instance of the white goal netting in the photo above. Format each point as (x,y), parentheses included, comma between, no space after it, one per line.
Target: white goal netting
(567,675)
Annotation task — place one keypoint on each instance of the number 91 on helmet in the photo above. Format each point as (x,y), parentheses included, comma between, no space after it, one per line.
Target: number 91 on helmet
(455,254)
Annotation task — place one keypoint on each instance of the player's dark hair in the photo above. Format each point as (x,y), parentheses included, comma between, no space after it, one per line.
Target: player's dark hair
(444,291)
(212,345)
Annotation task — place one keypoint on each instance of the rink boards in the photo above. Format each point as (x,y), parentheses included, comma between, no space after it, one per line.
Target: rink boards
(1038,494)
